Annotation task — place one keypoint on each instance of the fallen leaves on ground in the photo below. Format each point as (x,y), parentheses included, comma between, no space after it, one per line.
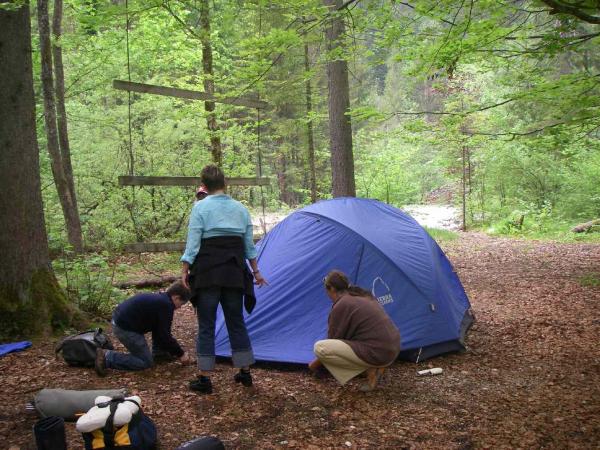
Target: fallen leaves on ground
(529,379)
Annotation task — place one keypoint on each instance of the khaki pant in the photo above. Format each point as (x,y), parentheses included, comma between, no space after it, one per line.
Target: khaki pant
(340,359)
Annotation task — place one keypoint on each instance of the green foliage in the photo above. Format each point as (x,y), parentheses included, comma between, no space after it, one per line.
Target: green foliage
(441,235)
(590,280)
(88,282)
(12,5)
(502,94)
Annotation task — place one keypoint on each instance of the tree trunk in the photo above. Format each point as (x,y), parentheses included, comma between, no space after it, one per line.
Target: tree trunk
(464,188)
(309,130)
(30,299)
(67,201)
(63,135)
(209,83)
(282,182)
(588,226)
(147,282)
(340,126)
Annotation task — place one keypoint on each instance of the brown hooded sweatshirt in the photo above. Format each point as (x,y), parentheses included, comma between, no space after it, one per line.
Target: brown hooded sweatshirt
(363,324)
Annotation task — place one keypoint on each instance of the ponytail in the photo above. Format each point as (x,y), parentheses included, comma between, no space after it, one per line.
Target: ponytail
(338,281)
(357,291)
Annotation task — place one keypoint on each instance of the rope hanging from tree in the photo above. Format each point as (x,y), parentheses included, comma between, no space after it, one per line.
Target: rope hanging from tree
(129,128)
(131,156)
(258,147)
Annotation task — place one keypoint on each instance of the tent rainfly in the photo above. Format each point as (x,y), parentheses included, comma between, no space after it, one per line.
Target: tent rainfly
(380,248)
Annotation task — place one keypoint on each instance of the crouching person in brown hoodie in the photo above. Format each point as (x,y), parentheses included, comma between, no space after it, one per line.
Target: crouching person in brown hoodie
(361,335)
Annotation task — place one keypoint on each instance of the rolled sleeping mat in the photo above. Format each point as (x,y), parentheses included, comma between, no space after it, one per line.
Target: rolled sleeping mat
(50,433)
(68,404)
(203,443)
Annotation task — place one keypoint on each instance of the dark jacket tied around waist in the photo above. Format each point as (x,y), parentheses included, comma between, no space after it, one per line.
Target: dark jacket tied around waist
(221,262)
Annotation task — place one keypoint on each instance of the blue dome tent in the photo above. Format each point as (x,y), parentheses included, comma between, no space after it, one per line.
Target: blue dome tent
(380,248)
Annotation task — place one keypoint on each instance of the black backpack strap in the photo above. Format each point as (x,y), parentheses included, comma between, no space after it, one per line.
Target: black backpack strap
(98,336)
(59,347)
(108,430)
(134,402)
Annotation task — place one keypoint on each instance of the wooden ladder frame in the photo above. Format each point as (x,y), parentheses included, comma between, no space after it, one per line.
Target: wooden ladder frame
(129,180)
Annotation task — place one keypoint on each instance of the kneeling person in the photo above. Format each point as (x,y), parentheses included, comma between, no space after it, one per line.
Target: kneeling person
(140,314)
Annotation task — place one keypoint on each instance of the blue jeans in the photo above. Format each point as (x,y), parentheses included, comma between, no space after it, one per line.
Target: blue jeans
(139,356)
(232,303)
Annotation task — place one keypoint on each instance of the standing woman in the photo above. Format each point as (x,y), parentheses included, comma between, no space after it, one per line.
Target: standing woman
(361,336)
(214,267)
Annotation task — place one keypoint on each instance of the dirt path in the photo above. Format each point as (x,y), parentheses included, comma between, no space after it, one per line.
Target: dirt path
(530,379)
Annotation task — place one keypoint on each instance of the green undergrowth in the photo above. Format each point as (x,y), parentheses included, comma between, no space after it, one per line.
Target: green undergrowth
(442,235)
(590,280)
(88,282)
(91,280)
(557,234)
(539,226)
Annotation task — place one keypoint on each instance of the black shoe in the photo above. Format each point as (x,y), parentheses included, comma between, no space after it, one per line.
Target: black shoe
(244,377)
(202,384)
(162,358)
(100,363)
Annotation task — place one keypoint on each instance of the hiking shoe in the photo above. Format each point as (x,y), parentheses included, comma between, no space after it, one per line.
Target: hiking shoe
(373,377)
(322,373)
(201,384)
(100,363)
(244,377)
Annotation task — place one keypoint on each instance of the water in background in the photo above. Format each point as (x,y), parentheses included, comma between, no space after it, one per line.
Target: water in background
(444,217)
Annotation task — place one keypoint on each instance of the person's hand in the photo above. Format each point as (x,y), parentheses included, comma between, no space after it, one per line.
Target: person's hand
(185,277)
(185,359)
(259,280)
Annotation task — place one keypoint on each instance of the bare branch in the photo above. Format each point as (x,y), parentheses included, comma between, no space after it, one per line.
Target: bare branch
(514,134)
(346,4)
(558,7)
(412,7)
(444,113)
(583,37)
(185,26)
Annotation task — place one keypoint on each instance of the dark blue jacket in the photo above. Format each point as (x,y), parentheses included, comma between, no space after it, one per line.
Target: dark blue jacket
(149,312)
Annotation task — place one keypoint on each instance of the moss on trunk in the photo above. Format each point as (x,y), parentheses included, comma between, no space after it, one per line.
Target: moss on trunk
(35,308)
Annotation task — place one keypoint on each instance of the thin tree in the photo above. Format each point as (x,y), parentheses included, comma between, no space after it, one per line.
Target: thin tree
(209,83)
(309,129)
(67,200)
(30,298)
(61,113)
(340,125)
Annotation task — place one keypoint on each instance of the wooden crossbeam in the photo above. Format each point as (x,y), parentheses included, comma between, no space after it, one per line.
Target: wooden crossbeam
(128,180)
(186,93)
(154,247)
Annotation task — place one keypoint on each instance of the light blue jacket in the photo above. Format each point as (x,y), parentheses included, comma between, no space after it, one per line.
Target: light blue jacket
(218,215)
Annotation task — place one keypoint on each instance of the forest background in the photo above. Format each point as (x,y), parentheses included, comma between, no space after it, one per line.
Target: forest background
(492,106)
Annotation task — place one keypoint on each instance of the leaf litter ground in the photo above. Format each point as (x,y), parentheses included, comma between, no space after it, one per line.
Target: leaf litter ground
(530,377)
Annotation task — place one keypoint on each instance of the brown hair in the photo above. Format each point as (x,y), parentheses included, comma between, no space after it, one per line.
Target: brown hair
(179,289)
(337,280)
(213,178)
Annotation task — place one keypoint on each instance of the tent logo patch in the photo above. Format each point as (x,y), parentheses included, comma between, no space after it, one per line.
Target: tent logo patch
(381,291)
